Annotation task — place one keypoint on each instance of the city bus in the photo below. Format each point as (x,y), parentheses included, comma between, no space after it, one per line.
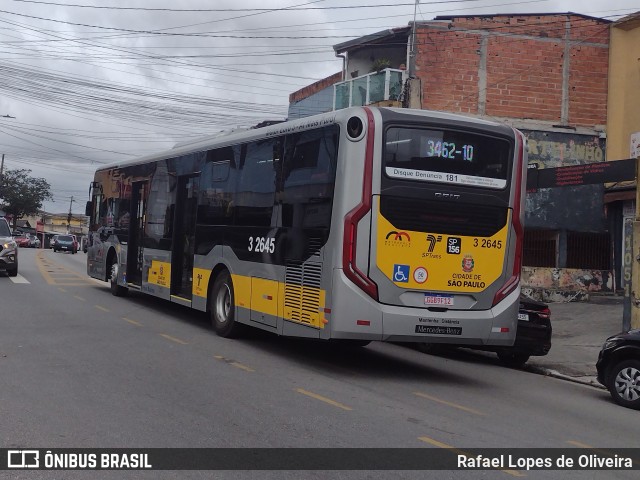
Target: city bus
(357,225)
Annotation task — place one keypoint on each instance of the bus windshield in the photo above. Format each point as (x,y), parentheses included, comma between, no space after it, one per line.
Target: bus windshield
(446,156)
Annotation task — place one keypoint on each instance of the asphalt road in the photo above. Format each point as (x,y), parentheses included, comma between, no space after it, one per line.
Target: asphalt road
(80,368)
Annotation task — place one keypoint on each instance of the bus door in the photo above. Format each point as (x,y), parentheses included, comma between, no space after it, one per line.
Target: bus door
(184,228)
(136,230)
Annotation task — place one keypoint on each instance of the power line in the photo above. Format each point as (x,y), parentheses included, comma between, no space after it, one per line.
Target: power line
(342,7)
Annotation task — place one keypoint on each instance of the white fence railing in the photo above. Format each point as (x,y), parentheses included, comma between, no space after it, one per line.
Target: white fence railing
(371,88)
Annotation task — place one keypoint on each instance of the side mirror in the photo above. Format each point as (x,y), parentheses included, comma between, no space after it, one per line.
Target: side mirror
(89,208)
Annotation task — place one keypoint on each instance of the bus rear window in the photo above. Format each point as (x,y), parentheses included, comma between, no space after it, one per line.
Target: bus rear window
(446,156)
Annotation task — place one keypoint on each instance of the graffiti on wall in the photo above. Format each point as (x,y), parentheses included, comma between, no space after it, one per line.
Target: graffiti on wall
(568,279)
(559,152)
(576,208)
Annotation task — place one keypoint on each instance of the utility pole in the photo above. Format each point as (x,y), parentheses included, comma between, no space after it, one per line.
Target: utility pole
(69,216)
(2,164)
(412,53)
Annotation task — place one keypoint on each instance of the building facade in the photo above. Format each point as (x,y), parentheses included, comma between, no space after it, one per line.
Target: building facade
(49,224)
(623,134)
(546,74)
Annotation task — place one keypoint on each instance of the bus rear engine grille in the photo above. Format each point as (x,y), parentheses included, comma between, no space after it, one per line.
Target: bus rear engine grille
(302,292)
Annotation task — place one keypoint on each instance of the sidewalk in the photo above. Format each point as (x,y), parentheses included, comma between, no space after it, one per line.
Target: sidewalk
(579,330)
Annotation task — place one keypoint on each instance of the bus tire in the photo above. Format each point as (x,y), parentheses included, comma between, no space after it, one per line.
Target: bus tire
(117,290)
(222,307)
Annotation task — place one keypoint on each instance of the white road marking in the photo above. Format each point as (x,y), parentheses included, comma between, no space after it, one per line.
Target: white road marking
(19,279)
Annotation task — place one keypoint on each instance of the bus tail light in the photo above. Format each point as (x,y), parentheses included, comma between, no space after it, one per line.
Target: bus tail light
(512,283)
(351,271)
(350,240)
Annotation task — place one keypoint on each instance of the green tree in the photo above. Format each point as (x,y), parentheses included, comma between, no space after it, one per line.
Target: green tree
(22,195)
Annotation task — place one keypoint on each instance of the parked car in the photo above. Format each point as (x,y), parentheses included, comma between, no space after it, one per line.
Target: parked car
(52,242)
(8,250)
(66,243)
(619,368)
(33,240)
(533,336)
(21,239)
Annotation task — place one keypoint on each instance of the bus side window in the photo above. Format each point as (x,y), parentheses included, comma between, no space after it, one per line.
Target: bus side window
(309,170)
(255,193)
(217,187)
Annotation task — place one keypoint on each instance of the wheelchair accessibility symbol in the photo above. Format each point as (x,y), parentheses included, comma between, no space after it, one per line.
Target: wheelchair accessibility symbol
(401,273)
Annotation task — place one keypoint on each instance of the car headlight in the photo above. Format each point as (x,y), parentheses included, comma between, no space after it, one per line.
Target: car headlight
(9,245)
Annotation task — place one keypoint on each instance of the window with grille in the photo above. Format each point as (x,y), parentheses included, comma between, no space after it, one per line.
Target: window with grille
(589,250)
(540,248)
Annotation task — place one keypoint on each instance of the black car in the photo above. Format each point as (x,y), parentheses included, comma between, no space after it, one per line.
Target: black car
(533,336)
(65,242)
(619,368)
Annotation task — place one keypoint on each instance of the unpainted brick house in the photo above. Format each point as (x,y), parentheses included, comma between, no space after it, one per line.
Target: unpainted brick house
(545,74)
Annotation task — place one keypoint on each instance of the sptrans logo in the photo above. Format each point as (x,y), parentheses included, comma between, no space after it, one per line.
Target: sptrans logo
(432,240)
(397,239)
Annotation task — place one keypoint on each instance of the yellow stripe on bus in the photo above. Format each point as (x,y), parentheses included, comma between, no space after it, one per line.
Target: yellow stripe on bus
(262,295)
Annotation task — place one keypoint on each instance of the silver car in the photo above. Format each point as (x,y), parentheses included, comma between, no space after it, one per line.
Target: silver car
(8,250)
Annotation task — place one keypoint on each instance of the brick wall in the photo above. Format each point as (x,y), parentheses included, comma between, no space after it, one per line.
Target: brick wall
(513,66)
(315,87)
(448,64)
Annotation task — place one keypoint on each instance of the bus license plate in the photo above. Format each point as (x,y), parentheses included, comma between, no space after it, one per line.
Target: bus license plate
(523,316)
(436,330)
(438,299)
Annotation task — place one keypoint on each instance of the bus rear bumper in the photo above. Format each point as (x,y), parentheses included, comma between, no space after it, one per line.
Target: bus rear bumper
(357,316)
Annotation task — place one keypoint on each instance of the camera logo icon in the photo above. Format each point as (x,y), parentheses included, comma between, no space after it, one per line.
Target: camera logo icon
(23,459)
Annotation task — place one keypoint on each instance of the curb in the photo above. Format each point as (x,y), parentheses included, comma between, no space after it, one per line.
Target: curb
(592,382)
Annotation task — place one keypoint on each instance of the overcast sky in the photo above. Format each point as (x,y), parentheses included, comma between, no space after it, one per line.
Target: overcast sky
(90,86)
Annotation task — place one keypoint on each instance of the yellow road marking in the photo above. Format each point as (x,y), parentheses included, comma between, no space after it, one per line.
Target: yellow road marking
(323,399)
(450,404)
(132,322)
(173,339)
(40,265)
(599,450)
(234,363)
(102,308)
(436,443)
(49,270)
(79,298)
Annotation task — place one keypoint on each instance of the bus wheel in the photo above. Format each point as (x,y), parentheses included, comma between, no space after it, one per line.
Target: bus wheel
(222,307)
(116,290)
